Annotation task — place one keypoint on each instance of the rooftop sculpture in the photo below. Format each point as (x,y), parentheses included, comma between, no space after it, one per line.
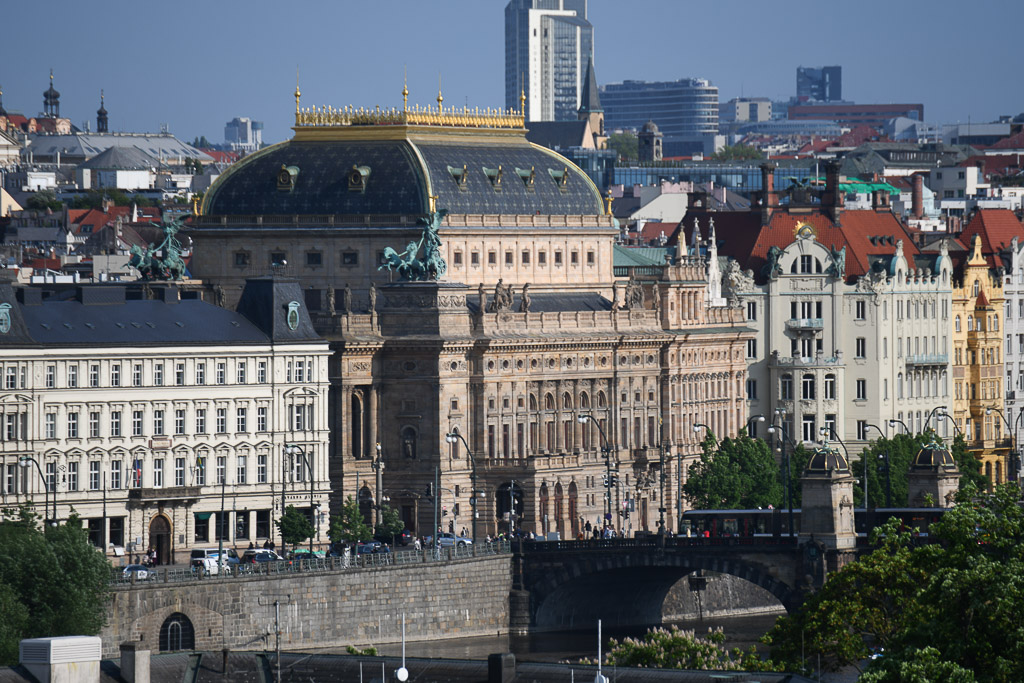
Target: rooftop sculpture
(163,261)
(409,266)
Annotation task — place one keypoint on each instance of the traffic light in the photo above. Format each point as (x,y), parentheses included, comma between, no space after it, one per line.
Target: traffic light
(444,511)
(430,491)
(613,479)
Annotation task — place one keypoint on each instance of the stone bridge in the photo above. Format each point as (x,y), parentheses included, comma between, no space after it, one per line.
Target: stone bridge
(566,584)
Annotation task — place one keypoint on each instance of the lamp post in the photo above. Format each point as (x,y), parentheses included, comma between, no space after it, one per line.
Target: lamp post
(825,431)
(221,526)
(23,461)
(292,450)
(956,427)
(894,421)
(932,411)
(697,426)
(582,419)
(888,474)
(759,418)
(1009,458)
(783,438)
(455,437)
(1016,451)
(378,467)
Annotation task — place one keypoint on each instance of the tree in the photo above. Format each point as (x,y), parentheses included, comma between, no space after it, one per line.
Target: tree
(737,153)
(626,145)
(201,142)
(739,473)
(676,649)
(349,526)
(960,596)
(43,200)
(93,199)
(391,523)
(294,526)
(53,574)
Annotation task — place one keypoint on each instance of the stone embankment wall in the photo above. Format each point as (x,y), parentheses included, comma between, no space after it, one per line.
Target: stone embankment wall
(725,595)
(330,609)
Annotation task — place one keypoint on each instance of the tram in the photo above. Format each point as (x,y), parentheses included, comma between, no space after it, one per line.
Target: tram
(774,522)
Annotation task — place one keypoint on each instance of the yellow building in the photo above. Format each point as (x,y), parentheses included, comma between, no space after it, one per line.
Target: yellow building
(978,363)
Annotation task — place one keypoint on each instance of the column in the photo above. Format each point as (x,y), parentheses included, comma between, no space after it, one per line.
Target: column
(577,428)
(369,448)
(344,420)
(559,439)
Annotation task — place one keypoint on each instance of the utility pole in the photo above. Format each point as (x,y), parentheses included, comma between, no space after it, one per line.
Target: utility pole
(378,465)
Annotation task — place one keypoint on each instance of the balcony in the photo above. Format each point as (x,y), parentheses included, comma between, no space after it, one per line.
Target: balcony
(820,360)
(805,324)
(170,493)
(929,359)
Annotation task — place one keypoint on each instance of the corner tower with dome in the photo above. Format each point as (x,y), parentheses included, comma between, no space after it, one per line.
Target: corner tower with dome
(511,330)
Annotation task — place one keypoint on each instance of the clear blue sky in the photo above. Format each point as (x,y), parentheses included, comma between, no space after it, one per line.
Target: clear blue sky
(195,65)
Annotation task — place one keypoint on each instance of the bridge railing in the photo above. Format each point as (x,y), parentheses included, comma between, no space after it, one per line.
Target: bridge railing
(351,562)
(656,542)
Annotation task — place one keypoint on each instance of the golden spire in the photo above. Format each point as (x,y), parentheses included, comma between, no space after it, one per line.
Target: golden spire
(608,203)
(297,93)
(522,94)
(440,98)
(51,76)
(405,90)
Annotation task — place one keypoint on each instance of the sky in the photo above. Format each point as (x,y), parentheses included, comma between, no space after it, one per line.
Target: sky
(193,66)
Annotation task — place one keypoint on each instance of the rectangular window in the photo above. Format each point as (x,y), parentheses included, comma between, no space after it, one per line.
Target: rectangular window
(115,375)
(94,475)
(830,387)
(202,528)
(158,374)
(862,347)
(240,416)
(200,373)
(474,258)
(861,310)
(807,390)
(242,365)
(200,420)
(158,423)
(222,420)
(241,471)
(542,258)
(751,389)
(222,466)
(221,373)
(51,425)
(751,348)
(862,389)
(137,375)
(300,370)
(241,525)
(751,310)
(241,258)
(314,258)
(526,258)
(115,423)
(508,258)
(51,477)
(158,473)
(73,376)
(349,258)
(94,375)
(179,374)
(492,258)
(136,423)
(574,258)
(179,422)
(51,376)
(72,425)
(94,425)
(830,424)
(262,523)
(261,418)
(558,257)
(136,474)
(590,258)
(807,428)
(261,469)
(72,475)
(179,471)
(200,472)
(786,388)
(115,474)
(261,372)
(862,430)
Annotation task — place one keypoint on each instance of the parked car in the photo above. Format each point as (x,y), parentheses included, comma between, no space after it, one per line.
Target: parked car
(446,540)
(259,555)
(140,572)
(303,554)
(404,538)
(231,557)
(372,547)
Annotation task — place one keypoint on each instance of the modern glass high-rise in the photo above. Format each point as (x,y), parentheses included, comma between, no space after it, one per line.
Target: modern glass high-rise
(824,83)
(548,44)
(685,110)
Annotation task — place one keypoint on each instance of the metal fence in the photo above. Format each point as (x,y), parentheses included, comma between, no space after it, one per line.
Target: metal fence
(347,562)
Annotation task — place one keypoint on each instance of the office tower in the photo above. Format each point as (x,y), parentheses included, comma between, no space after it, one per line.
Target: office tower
(686,110)
(548,44)
(823,83)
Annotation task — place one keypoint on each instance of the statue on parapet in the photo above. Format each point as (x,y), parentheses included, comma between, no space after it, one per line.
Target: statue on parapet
(524,301)
(408,264)
(163,261)
(502,300)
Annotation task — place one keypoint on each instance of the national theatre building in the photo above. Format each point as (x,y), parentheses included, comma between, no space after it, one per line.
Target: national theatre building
(484,348)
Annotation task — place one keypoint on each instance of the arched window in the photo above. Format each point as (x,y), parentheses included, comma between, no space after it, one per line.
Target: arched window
(970,323)
(566,401)
(601,400)
(549,402)
(977,288)
(533,402)
(409,439)
(899,385)
(786,388)
(830,386)
(995,323)
(807,391)
(584,401)
(956,323)
(177,633)
(455,444)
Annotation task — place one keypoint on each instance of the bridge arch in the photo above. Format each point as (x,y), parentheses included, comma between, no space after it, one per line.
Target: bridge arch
(627,586)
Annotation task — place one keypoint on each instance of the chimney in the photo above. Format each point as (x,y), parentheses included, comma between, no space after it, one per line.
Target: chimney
(917,200)
(769,199)
(832,200)
(134,662)
(64,658)
(880,200)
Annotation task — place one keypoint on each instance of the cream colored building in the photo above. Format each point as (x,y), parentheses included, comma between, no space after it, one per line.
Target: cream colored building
(147,417)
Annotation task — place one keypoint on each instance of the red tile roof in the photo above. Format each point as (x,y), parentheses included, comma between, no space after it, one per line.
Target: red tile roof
(996,227)
(982,300)
(1012,142)
(652,231)
(742,237)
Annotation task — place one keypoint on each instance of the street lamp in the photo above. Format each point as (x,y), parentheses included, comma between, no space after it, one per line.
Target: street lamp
(894,421)
(956,427)
(932,411)
(378,467)
(23,461)
(888,475)
(292,450)
(783,438)
(759,418)
(697,426)
(1009,459)
(455,437)
(582,419)
(829,429)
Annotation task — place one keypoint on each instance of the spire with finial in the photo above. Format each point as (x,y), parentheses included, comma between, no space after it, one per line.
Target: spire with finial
(297,93)
(405,90)
(2,112)
(101,116)
(440,98)
(51,100)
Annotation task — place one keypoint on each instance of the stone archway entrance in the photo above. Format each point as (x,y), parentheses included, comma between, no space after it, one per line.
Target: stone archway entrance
(160,539)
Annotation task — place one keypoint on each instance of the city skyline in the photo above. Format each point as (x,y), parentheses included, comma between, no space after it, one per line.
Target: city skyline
(194,78)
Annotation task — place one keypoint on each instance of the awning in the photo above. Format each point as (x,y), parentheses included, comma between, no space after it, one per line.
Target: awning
(203,515)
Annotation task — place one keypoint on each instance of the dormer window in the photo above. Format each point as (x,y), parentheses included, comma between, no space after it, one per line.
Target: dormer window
(357,178)
(528,176)
(561,178)
(459,175)
(286,178)
(494,176)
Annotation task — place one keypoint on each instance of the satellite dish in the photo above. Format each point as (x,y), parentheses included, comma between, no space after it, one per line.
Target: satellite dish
(403,674)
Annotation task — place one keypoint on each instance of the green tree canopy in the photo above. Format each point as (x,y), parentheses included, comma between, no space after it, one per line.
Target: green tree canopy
(43,200)
(349,526)
(625,145)
(93,199)
(391,523)
(737,153)
(53,582)
(294,526)
(738,473)
(960,596)
(676,649)
(201,141)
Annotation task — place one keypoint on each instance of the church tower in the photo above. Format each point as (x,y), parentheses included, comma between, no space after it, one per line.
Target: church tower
(591,109)
(101,116)
(649,141)
(51,100)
